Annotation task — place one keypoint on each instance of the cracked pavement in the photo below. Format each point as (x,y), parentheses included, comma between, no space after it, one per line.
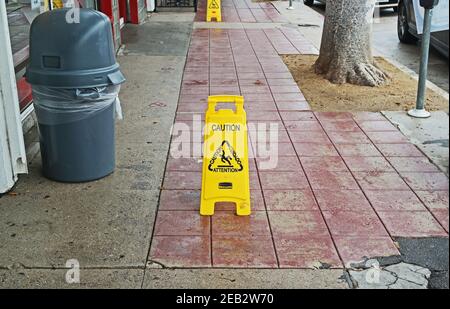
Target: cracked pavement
(398,276)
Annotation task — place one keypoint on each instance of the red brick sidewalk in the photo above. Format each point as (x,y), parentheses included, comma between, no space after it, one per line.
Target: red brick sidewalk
(244,11)
(344,186)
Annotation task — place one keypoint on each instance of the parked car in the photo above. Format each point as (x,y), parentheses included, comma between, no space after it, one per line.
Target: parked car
(407,30)
(380,3)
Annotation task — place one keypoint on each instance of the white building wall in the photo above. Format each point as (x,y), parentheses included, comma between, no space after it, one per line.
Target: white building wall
(12,149)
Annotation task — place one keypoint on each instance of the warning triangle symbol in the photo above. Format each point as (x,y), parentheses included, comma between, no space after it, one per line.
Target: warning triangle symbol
(213,5)
(225,160)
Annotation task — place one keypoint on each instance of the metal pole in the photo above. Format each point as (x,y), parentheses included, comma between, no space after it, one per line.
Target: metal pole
(290,5)
(419,111)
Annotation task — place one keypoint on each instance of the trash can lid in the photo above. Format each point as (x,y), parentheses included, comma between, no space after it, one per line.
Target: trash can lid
(72,48)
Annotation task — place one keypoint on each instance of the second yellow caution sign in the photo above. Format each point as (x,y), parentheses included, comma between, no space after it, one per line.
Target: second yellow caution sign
(214,10)
(226,175)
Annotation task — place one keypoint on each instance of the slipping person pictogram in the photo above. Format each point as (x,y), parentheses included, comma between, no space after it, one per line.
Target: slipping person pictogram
(229,160)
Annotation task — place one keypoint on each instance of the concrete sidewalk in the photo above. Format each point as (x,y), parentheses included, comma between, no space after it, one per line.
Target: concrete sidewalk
(346,186)
(106,225)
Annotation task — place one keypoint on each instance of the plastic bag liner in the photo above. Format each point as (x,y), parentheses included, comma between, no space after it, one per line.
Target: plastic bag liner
(55,106)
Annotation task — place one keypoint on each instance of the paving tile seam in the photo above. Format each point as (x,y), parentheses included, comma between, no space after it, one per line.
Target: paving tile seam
(414,144)
(403,178)
(188,54)
(273,45)
(309,183)
(249,268)
(112,267)
(185,57)
(259,178)
(211,252)
(260,210)
(317,203)
(253,14)
(354,178)
(290,41)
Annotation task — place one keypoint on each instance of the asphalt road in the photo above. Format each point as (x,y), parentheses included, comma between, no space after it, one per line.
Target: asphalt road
(387,44)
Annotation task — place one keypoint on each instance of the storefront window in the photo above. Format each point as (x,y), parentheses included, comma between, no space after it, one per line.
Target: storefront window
(20,16)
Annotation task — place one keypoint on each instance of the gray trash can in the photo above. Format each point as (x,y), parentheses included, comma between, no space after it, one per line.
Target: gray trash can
(75,80)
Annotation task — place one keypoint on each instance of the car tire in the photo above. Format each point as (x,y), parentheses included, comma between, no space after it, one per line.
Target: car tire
(403,27)
(308,2)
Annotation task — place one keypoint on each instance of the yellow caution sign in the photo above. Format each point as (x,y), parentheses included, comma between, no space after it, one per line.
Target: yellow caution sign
(57,4)
(214,10)
(225,160)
